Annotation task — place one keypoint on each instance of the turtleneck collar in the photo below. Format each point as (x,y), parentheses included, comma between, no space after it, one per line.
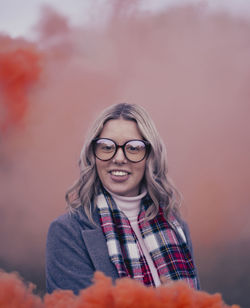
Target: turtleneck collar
(129,205)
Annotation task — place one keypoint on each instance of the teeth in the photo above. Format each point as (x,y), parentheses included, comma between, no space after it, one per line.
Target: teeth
(119,173)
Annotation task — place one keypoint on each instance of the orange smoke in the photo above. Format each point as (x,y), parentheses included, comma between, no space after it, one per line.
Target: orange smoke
(19,69)
(14,293)
(127,293)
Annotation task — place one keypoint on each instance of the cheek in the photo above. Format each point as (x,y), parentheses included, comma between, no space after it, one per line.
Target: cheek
(141,170)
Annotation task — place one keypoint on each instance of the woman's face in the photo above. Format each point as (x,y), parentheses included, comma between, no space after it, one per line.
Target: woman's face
(119,175)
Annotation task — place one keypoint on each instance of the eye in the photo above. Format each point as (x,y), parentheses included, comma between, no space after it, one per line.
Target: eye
(132,148)
(105,145)
(135,146)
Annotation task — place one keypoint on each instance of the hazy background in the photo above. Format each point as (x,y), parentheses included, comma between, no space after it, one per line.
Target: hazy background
(188,64)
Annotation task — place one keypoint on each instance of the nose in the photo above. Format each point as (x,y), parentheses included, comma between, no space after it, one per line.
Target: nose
(119,156)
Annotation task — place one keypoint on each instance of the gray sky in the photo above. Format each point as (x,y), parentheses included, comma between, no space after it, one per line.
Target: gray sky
(17,17)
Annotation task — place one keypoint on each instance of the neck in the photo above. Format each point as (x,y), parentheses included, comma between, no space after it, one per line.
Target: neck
(129,205)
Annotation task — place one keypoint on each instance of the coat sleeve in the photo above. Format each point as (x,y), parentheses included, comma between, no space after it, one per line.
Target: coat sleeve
(68,265)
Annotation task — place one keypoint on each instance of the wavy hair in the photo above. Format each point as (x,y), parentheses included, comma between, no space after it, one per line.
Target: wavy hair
(160,188)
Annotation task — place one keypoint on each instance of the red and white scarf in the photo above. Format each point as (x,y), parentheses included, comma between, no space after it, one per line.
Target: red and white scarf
(168,250)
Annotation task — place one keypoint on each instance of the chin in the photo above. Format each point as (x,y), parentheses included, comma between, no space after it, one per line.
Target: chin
(122,191)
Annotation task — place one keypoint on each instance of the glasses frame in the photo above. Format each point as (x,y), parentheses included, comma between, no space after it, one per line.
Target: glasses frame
(117,146)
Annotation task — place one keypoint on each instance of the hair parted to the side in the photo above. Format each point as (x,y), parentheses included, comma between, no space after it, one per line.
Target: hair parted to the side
(158,185)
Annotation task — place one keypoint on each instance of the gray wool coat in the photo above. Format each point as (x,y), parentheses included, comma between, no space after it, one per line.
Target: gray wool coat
(76,249)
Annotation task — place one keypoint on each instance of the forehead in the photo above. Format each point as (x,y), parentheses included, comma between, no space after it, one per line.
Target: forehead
(121,130)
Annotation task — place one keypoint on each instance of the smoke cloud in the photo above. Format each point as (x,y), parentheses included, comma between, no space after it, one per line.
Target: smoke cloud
(126,293)
(18,70)
(187,66)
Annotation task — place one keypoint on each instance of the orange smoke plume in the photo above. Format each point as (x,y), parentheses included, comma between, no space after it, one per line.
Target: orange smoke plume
(14,293)
(19,69)
(127,293)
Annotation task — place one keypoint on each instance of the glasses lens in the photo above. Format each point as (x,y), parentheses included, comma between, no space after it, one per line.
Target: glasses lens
(104,149)
(135,150)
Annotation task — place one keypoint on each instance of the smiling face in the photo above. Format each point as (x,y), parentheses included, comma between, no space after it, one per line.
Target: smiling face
(119,175)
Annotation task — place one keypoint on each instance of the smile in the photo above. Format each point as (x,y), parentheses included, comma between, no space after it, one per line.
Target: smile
(118,173)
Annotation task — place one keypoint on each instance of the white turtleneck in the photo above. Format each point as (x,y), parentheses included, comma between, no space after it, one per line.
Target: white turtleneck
(130,206)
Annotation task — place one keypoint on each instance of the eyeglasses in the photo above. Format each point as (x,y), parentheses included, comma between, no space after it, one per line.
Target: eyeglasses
(134,150)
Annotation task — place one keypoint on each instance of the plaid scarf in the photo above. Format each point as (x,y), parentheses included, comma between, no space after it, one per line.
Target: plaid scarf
(168,250)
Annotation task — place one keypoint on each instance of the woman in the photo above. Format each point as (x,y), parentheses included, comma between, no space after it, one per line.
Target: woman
(124,213)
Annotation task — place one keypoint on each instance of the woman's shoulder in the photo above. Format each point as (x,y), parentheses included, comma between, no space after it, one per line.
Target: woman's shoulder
(72,221)
(180,225)
(183,223)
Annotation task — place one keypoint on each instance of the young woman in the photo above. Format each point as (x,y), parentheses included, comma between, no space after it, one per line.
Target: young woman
(123,214)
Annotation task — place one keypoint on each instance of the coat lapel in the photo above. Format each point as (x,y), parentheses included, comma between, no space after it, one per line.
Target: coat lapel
(97,249)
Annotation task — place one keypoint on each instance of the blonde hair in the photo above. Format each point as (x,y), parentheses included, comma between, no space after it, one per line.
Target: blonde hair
(161,190)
